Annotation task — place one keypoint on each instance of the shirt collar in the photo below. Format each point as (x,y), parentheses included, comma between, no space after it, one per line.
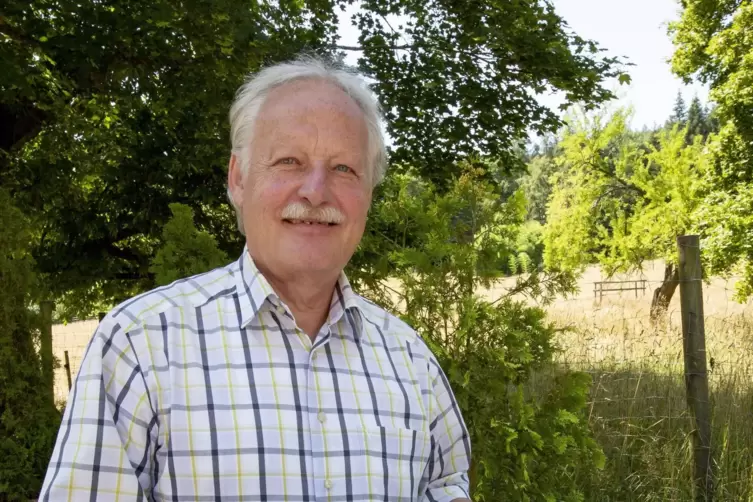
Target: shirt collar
(345,303)
(254,291)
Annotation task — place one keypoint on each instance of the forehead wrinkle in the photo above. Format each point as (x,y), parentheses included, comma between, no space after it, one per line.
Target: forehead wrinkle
(285,125)
(307,139)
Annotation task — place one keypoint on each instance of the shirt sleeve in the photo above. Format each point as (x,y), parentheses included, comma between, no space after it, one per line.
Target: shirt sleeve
(108,435)
(450,455)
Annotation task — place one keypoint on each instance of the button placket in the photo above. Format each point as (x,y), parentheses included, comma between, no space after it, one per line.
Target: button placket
(318,416)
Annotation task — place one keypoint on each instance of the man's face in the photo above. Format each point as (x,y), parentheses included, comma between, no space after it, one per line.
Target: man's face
(308,151)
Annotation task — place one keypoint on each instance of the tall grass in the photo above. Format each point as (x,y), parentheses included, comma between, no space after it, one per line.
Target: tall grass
(637,409)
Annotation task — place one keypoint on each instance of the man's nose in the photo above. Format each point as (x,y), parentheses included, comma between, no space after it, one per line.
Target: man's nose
(314,187)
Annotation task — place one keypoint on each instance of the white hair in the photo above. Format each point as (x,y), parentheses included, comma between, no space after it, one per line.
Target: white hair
(253,93)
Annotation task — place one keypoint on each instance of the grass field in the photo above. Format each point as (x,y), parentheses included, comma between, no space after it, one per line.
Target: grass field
(637,407)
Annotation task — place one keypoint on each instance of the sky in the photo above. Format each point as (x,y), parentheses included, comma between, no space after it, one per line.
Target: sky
(635,29)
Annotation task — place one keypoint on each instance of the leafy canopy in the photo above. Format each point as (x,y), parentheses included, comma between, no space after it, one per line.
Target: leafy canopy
(714,43)
(110,111)
(619,200)
(117,109)
(466,79)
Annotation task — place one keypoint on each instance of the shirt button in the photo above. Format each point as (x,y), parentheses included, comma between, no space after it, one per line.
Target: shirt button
(322,417)
(314,355)
(328,484)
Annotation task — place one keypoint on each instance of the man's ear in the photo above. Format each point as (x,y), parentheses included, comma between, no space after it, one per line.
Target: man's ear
(235,180)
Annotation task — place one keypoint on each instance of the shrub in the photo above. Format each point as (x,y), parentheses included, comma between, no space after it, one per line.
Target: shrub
(531,241)
(185,249)
(524,447)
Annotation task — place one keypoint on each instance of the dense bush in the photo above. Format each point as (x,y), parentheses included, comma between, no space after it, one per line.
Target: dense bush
(524,447)
(28,418)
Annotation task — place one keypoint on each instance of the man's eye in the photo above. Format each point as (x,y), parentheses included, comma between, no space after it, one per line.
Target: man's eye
(288,160)
(343,168)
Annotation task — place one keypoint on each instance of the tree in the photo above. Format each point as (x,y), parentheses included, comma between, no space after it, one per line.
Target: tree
(620,202)
(461,78)
(530,246)
(679,112)
(696,122)
(110,111)
(28,418)
(537,186)
(700,121)
(115,110)
(713,44)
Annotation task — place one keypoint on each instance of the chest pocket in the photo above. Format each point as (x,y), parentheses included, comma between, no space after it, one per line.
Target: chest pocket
(388,463)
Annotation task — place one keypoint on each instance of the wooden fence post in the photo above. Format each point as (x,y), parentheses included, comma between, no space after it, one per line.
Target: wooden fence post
(68,370)
(45,347)
(694,349)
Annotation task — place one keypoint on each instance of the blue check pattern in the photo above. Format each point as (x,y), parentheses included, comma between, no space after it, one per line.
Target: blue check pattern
(206,390)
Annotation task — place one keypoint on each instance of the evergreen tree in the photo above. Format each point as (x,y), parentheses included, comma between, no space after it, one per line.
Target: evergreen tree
(679,112)
(537,187)
(697,121)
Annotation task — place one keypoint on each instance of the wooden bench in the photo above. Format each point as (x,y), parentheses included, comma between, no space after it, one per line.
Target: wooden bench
(607,286)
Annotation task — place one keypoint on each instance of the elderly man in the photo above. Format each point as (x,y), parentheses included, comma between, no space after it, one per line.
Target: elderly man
(270,379)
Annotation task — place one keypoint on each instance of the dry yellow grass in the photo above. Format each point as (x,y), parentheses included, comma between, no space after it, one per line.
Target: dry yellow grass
(637,409)
(618,327)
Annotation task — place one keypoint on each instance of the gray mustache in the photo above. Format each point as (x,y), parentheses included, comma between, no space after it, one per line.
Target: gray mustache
(301,211)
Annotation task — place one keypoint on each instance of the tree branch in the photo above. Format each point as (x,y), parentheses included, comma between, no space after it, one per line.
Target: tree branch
(612,176)
(123,254)
(607,192)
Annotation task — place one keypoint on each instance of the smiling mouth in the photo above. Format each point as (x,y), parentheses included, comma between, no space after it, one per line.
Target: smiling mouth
(309,222)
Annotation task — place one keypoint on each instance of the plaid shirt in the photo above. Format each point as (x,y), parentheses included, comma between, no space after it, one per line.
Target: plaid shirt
(206,390)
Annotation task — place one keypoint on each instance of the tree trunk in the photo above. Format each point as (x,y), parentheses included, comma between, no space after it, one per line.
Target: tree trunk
(663,294)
